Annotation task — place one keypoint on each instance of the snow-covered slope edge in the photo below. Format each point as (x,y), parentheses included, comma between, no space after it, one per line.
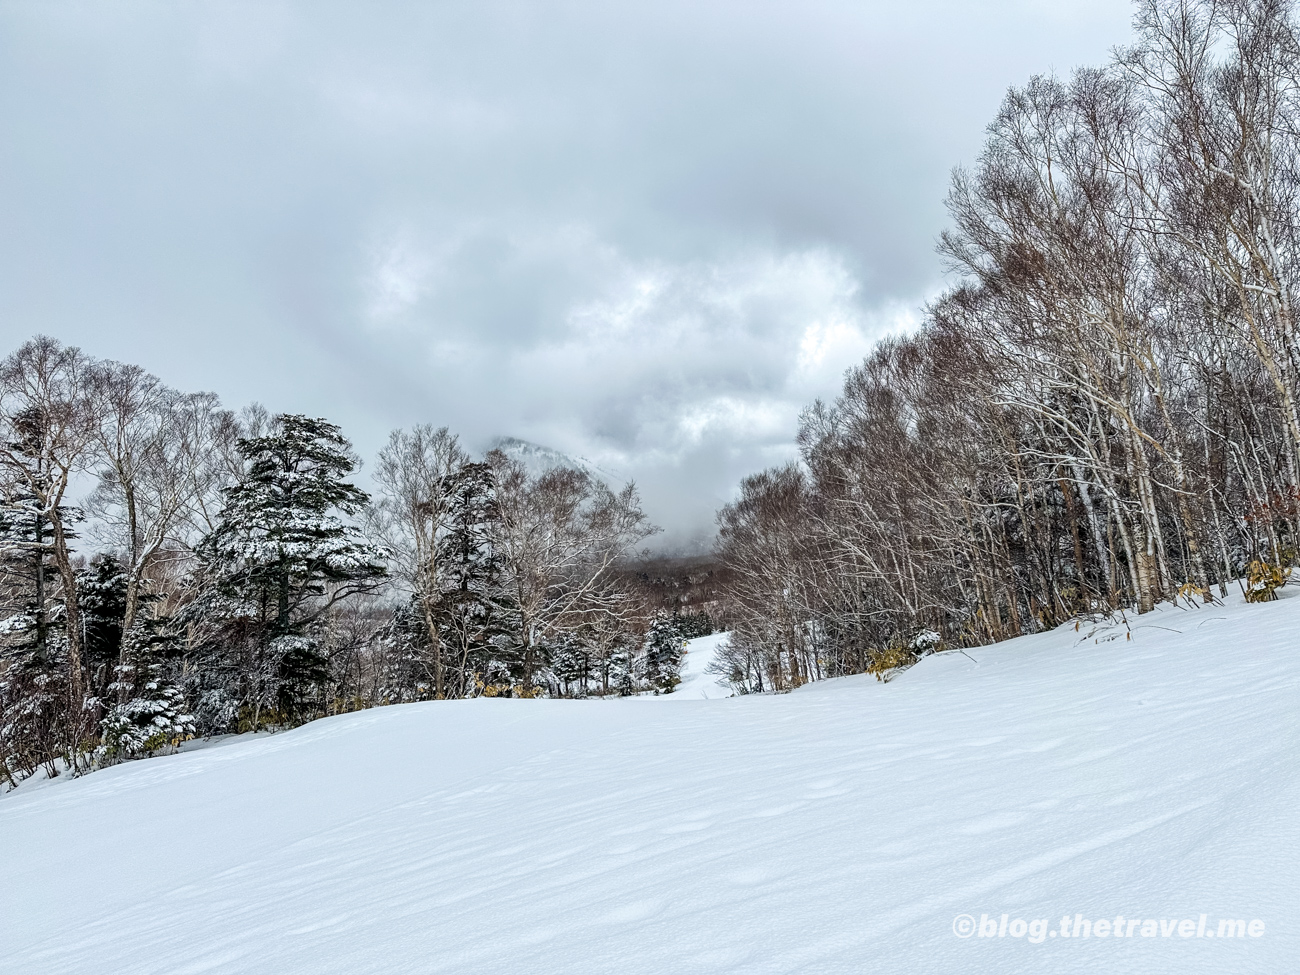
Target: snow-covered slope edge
(841,828)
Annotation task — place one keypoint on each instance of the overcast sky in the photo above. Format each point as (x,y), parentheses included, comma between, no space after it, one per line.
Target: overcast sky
(646,234)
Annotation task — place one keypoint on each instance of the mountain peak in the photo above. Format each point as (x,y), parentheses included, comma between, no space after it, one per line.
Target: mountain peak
(538,458)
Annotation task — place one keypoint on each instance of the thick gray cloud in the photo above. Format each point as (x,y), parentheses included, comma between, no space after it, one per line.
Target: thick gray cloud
(644,233)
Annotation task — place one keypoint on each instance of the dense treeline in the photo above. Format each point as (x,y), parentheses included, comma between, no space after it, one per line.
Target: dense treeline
(1101,413)
(220,572)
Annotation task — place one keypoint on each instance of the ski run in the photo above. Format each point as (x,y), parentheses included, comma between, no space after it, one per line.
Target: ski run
(1132,781)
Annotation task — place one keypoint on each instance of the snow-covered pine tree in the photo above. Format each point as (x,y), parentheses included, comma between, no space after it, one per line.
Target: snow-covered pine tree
(102,588)
(45,438)
(27,572)
(570,661)
(285,551)
(473,612)
(151,714)
(132,673)
(30,692)
(221,652)
(33,660)
(401,656)
(692,626)
(662,663)
(621,665)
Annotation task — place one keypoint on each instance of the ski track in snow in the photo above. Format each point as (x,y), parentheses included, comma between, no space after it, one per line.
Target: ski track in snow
(836,829)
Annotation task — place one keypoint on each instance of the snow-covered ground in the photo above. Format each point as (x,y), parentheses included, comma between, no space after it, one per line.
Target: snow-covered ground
(697,683)
(841,828)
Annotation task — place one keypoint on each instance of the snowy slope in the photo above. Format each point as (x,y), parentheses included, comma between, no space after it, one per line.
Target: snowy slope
(697,683)
(841,828)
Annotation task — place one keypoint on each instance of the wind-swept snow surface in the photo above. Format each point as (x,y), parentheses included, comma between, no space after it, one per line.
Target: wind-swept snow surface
(841,828)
